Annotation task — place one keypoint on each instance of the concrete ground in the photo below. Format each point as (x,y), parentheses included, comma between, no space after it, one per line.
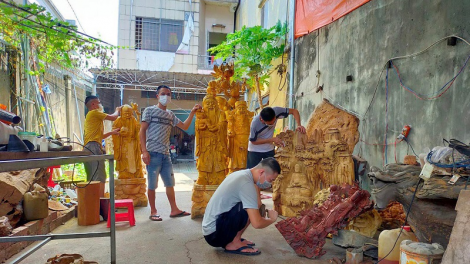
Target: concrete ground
(174,240)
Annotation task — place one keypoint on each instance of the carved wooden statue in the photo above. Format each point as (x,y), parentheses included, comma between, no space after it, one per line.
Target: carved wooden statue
(239,133)
(313,161)
(211,162)
(131,182)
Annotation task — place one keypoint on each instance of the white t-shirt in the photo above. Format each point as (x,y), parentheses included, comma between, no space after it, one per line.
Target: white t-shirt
(237,187)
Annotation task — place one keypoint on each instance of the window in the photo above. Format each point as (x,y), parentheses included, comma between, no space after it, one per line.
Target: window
(265,15)
(158,34)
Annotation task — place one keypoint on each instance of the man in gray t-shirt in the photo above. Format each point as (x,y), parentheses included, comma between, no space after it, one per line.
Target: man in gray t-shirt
(234,206)
(157,122)
(261,144)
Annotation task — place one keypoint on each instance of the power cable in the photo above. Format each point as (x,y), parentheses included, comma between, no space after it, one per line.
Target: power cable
(75,14)
(59,24)
(406,221)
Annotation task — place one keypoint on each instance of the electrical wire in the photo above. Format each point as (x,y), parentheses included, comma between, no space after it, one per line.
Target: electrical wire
(73,170)
(59,24)
(73,10)
(406,221)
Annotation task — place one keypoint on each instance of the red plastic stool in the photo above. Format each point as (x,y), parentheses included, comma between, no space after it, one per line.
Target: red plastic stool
(126,216)
(51,183)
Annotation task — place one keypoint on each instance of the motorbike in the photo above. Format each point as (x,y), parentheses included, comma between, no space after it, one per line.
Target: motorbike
(173,154)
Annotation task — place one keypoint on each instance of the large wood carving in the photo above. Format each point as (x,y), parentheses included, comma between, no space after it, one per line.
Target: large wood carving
(131,181)
(314,161)
(306,234)
(222,131)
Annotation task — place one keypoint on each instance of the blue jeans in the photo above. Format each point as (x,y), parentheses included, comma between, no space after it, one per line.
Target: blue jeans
(160,164)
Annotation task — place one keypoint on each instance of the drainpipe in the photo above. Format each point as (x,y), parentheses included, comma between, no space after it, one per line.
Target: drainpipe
(292,60)
(235,17)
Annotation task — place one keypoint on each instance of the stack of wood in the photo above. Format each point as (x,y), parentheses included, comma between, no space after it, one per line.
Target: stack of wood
(13,186)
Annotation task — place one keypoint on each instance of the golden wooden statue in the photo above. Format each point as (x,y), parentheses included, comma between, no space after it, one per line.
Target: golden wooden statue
(238,132)
(211,162)
(222,132)
(316,160)
(131,181)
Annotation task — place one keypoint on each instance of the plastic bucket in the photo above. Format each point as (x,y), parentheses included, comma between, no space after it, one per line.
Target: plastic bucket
(420,253)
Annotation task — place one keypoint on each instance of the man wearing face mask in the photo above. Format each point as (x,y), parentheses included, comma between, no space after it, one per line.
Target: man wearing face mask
(262,142)
(94,134)
(234,206)
(157,122)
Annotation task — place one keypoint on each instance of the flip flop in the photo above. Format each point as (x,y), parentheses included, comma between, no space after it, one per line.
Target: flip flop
(184,213)
(240,252)
(250,245)
(155,218)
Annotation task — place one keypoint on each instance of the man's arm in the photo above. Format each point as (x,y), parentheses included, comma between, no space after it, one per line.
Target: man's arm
(112,132)
(259,222)
(114,115)
(296,115)
(272,140)
(143,142)
(185,125)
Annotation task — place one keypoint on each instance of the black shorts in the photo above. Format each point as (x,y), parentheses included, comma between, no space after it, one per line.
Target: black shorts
(227,226)
(255,157)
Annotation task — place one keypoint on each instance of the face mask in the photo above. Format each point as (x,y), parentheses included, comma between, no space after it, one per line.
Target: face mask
(265,184)
(164,99)
(100,108)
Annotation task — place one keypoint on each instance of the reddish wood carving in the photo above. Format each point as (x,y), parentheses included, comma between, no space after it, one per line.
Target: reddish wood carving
(306,234)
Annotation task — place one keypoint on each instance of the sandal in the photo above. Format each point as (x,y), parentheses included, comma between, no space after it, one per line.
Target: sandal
(155,218)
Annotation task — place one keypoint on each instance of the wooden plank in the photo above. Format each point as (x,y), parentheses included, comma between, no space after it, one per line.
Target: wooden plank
(4,155)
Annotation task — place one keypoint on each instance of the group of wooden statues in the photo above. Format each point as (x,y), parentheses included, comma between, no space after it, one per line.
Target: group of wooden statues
(309,162)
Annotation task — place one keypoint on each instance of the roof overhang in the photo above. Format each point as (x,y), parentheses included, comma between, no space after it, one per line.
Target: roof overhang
(150,80)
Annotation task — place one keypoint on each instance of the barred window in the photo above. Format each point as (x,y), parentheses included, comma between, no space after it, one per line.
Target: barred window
(158,34)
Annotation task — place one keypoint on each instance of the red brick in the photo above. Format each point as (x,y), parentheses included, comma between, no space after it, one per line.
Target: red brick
(15,248)
(33,227)
(2,255)
(20,231)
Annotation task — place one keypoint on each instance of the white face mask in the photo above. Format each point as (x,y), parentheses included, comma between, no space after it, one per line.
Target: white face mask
(100,108)
(164,99)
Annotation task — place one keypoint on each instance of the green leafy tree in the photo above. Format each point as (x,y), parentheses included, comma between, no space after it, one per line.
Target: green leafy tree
(253,49)
(51,40)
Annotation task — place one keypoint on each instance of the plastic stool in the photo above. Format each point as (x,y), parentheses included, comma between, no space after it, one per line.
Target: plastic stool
(51,183)
(126,216)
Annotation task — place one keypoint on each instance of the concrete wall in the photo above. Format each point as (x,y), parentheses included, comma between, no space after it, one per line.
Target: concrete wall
(361,43)
(130,58)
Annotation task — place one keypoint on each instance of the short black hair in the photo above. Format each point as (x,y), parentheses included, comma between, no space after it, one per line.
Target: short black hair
(89,98)
(268,114)
(163,86)
(272,164)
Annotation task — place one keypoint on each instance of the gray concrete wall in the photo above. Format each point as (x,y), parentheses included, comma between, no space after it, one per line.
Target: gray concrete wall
(361,43)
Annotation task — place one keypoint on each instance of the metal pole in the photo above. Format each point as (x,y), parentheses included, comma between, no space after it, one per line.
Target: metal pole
(30,251)
(112,210)
(78,113)
(292,60)
(93,91)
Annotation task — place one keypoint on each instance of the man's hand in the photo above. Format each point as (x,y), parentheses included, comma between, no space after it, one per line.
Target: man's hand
(115,131)
(272,215)
(277,141)
(195,108)
(146,157)
(301,129)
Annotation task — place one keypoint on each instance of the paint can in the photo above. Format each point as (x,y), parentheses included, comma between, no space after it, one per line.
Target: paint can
(420,253)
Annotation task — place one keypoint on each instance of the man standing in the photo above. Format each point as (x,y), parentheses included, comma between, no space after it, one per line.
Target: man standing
(155,131)
(234,206)
(261,144)
(94,134)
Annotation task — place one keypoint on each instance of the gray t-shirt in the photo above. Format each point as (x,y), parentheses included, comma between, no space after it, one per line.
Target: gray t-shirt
(159,130)
(260,130)
(237,187)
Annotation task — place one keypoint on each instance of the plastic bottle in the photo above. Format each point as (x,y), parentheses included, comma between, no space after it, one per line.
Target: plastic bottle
(43,145)
(387,239)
